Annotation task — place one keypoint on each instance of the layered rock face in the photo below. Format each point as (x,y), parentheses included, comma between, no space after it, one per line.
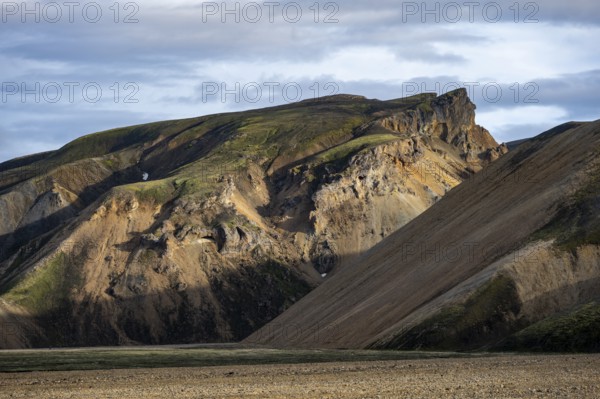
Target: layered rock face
(381,189)
(203,230)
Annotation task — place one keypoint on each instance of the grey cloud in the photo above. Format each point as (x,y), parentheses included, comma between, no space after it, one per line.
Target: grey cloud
(181,35)
(576,92)
(581,12)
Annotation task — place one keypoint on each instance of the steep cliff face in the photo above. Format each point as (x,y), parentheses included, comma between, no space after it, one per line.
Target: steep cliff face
(380,191)
(436,145)
(203,230)
(450,118)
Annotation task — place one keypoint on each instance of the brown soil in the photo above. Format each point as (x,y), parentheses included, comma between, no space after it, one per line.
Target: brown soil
(565,376)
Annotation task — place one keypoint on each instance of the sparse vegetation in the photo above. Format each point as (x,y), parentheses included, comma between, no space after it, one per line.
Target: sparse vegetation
(343,151)
(487,314)
(577,222)
(44,290)
(575,331)
(153,192)
(425,107)
(286,281)
(91,359)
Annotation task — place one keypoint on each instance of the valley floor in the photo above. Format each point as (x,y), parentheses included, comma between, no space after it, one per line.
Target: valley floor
(505,376)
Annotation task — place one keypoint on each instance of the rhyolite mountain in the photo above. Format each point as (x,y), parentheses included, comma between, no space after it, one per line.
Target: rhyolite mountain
(205,229)
(508,260)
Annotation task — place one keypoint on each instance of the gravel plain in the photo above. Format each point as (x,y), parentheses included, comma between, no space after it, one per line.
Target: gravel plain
(544,376)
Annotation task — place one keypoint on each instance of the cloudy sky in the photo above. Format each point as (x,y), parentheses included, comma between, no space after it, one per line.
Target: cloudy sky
(72,68)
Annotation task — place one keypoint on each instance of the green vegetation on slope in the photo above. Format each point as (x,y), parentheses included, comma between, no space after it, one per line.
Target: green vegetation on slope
(343,151)
(576,331)
(102,143)
(317,133)
(153,192)
(197,153)
(46,289)
(577,222)
(486,315)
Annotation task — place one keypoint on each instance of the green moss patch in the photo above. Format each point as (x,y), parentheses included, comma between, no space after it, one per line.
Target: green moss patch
(576,331)
(44,290)
(153,192)
(486,316)
(577,222)
(343,151)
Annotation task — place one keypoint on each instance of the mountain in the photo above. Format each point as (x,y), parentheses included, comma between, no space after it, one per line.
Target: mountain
(205,229)
(509,259)
(512,145)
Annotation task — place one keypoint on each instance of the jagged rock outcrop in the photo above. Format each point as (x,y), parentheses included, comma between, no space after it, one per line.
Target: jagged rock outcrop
(450,118)
(384,187)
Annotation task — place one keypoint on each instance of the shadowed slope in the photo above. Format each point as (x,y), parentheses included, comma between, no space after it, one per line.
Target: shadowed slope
(474,268)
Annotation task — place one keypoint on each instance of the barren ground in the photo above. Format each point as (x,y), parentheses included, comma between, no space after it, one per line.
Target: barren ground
(553,376)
